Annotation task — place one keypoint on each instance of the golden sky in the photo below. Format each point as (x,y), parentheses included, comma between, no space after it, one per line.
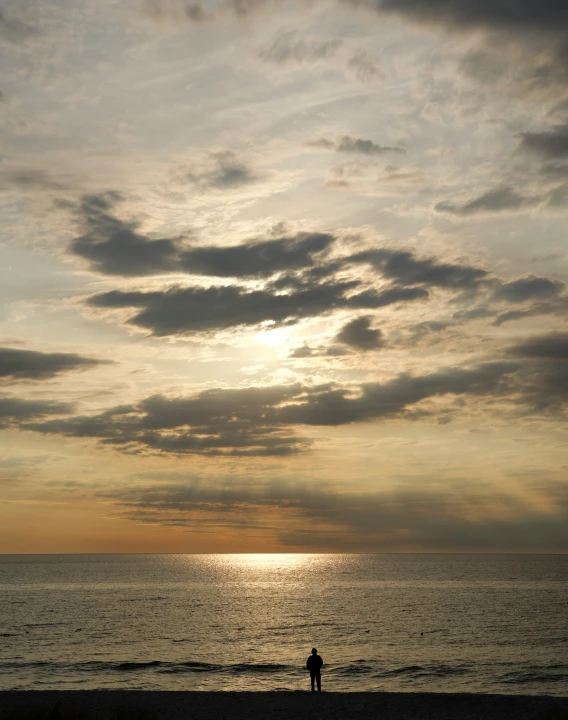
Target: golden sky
(283,276)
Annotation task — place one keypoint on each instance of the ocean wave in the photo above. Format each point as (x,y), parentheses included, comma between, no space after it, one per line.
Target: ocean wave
(424,671)
(358,668)
(133,666)
(546,674)
(44,624)
(160,666)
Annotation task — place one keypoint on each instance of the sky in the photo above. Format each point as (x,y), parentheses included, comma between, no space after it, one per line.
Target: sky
(283,276)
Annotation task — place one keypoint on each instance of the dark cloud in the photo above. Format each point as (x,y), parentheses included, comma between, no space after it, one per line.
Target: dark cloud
(530,16)
(195,12)
(376,178)
(189,310)
(551,347)
(359,334)
(32,365)
(258,259)
(288,48)
(304,351)
(428,328)
(260,420)
(545,375)
(349,144)
(406,269)
(499,199)
(549,145)
(115,247)
(238,422)
(557,307)
(396,520)
(374,401)
(14,30)
(319,516)
(29,179)
(223,170)
(367,67)
(529,288)
(16,410)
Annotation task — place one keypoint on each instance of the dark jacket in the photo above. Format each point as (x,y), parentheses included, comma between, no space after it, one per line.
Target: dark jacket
(314,664)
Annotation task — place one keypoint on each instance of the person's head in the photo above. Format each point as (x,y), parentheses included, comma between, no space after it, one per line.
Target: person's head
(314,651)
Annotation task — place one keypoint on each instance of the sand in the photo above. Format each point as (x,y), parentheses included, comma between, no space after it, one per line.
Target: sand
(162,705)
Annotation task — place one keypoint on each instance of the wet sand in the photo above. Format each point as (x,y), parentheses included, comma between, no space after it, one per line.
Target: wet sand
(163,705)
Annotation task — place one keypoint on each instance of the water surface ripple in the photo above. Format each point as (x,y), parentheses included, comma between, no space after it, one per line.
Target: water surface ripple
(450,623)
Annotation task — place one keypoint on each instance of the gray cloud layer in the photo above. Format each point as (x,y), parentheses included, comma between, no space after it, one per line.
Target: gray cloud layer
(500,199)
(350,144)
(288,48)
(14,30)
(406,269)
(303,276)
(359,334)
(187,310)
(322,517)
(32,365)
(259,420)
(16,410)
(550,16)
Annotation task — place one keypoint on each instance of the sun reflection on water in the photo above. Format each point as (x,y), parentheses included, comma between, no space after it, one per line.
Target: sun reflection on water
(262,562)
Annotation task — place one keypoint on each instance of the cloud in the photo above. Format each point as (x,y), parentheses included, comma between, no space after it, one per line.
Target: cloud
(405,268)
(530,16)
(371,178)
(367,67)
(553,346)
(258,259)
(557,307)
(115,247)
(29,179)
(195,12)
(497,200)
(17,410)
(238,422)
(349,144)
(549,145)
(32,365)
(545,376)
(260,420)
(469,516)
(15,31)
(373,401)
(359,334)
(221,170)
(287,48)
(190,310)
(529,288)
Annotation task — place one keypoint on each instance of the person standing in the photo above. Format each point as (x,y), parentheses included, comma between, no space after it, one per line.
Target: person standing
(314,664)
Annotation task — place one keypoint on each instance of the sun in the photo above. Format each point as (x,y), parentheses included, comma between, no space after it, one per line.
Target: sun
(274,337)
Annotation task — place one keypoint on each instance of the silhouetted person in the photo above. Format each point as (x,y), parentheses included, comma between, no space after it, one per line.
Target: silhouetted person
(314,664)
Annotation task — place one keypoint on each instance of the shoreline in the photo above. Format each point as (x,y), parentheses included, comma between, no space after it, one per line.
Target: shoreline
(276,705)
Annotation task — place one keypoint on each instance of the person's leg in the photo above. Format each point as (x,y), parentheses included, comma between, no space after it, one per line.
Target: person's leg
(318,678)
(312,678)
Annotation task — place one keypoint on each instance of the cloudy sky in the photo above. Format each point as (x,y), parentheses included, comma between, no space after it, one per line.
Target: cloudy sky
(283,275)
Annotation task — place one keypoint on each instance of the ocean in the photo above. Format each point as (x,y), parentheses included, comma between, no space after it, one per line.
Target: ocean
(439,623)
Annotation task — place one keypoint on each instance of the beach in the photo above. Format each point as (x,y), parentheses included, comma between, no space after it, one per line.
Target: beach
(163,705)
